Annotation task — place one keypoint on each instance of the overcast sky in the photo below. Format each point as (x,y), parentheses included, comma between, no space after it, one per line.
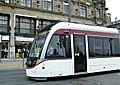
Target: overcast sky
(114,8)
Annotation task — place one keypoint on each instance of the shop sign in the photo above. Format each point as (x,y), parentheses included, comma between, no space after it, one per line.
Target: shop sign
(27,39)
(6,37)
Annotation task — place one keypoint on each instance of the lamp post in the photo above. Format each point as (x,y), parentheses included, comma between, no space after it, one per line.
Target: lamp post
(12,37)
(95,3)
(69,10)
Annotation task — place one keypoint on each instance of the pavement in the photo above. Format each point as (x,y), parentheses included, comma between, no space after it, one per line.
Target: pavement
(12,64)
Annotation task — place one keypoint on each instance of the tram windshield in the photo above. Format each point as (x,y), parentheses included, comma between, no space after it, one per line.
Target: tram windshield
(38,44)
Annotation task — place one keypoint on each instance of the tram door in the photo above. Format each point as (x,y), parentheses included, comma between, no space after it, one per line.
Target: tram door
(80,62)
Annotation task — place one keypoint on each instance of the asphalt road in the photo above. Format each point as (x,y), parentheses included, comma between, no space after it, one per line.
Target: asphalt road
(17,77)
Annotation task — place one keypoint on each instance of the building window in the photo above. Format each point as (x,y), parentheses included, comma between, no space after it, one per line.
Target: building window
(66,7)
(83,11)
(25,25)
(43,23)
(47,5)
(103,47)
(4,23)
(27,3)
(97,13)
(7,1)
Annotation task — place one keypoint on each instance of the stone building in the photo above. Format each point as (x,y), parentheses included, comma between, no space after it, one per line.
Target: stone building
(108,19)
(19,19)
(115,24)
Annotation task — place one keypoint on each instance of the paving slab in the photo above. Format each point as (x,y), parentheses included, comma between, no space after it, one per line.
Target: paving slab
(9,64)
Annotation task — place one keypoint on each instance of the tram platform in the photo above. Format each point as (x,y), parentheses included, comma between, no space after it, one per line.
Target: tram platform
(12,64)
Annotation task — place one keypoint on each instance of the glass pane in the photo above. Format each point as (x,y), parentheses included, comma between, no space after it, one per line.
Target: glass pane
(32,31)
(66,9)
(115,47)
(25,25)
(79,45)
(32,21)
(45,23)
(59,47)
(26,3)
(83,11)
(54,48)
(17,30)
(97,13)
(24,30)
(32,26)
(4,30)
(1,28)
(3,23)
(7,1)
(106,47)
(47,5)
(95,46)
(38,43)
(103,47)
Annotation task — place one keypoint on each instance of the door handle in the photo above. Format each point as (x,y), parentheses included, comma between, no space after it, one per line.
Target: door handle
(77,54)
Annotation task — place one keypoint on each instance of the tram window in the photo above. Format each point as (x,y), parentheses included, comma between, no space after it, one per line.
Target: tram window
(106,47)
(59,47)
(95,46)
(79,45)
(103,47)
(115,46)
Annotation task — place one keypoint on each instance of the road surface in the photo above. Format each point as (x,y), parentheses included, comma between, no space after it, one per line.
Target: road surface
(17,77)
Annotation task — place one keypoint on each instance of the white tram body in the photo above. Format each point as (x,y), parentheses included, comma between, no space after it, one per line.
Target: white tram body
(85,49)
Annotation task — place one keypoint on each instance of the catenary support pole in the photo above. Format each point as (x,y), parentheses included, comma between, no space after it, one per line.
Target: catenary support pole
(69,10)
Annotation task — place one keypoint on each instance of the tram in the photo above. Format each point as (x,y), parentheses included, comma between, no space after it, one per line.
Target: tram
(64,49)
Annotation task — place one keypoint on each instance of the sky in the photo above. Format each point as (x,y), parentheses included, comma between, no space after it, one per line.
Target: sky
(114,9)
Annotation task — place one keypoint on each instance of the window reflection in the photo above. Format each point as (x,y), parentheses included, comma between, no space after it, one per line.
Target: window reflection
(25,25)
(103,47)
(79,45)
(59,47)
(66,7)
(26,3)
(83,11)
(4,23)
(47,5)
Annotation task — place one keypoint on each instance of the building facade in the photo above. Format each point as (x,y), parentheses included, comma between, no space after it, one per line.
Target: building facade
(115,24)
(108,19)
(20,19)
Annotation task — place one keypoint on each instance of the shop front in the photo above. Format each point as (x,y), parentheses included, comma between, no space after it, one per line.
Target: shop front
(22,44)
(5,46)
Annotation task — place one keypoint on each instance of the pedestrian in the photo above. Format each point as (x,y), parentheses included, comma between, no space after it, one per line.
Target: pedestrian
(5,51)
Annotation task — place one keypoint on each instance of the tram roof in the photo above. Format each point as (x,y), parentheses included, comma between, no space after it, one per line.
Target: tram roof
(67,25)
